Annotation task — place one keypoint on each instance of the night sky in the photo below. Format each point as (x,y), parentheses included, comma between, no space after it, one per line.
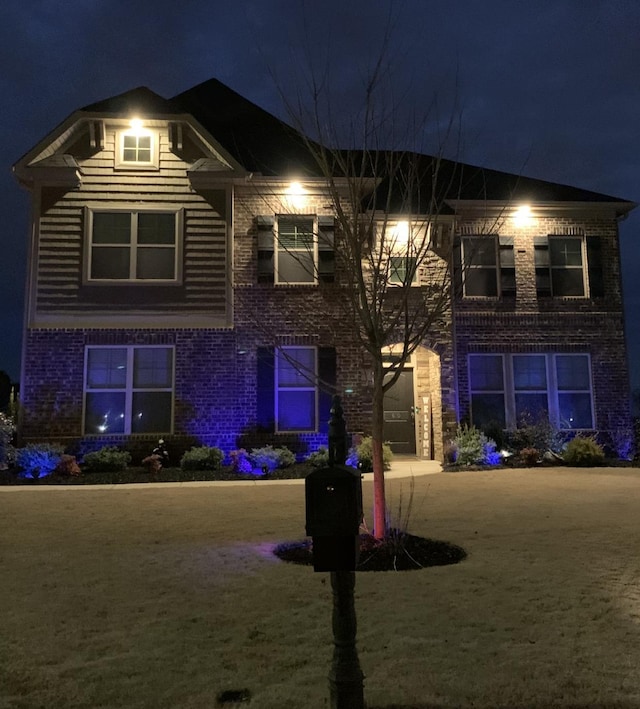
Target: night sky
(549,89)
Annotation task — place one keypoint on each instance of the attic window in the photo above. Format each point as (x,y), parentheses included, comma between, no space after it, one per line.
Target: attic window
(137,148)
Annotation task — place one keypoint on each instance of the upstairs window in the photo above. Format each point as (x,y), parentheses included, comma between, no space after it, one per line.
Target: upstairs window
(485,267)
(295,250)
(296,253)
(138,246)
(128,390)
(137,149)
(403,270)
(568,267)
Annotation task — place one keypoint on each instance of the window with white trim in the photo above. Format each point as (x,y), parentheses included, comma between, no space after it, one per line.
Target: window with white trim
(403,270)
(139,245)
(486,381)
(128,389)
(561,267)
(506,388)
(296,253)
(487,266)
(296,250)
(296,388)
(573,379)
(137,149)
(530,385)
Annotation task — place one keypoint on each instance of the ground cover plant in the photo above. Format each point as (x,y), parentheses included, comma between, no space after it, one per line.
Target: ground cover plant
(150,597)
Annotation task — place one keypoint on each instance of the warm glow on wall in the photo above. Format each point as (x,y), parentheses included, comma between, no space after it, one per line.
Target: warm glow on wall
(400,236)
(136,127)
(296,195)
(522,216)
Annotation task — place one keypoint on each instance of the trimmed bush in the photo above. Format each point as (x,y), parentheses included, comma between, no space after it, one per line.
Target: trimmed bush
(361,456)
(530,456)
(7,451)
(319,458)
(474,448)
(537,433)
(202,458)
(67,466)
(240,462)
(271,458)
(109,459)
(583,451)
(37,460)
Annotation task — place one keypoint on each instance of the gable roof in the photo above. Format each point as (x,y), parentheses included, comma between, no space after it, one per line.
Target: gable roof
(257,139)
(140,99)
(262,143)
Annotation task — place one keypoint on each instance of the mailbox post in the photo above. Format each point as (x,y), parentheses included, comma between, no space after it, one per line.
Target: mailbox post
(333,497)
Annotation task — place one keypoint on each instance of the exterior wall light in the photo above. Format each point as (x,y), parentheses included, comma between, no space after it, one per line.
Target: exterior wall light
(400,237)
(296,194)
(136,126)
(522,216)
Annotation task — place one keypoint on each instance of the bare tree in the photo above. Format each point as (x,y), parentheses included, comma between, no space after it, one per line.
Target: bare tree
(393,243)
(393,247)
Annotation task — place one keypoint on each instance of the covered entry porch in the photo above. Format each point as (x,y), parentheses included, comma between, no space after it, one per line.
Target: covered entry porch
(413,406)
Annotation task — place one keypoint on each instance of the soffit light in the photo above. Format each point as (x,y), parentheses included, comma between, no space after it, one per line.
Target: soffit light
(400,234)
(522,216)
(137,127)
(296,195)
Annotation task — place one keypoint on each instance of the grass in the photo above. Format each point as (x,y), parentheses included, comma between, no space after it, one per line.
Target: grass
(148,597)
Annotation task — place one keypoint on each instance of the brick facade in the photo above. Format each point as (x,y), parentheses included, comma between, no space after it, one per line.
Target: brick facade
(218,315)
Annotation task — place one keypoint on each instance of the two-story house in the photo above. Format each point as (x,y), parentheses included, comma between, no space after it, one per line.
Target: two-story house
(182,273)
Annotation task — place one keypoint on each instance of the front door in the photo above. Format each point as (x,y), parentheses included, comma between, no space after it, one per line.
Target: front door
(399,420)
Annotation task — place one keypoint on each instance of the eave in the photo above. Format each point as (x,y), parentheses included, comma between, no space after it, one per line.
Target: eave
(497,208)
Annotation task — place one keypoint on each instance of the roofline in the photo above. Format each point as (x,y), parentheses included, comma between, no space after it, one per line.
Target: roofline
(620,207)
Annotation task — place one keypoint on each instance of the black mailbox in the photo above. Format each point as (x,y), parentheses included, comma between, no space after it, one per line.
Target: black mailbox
(333,498)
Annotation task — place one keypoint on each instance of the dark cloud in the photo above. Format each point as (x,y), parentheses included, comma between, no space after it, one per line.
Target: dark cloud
(547,88)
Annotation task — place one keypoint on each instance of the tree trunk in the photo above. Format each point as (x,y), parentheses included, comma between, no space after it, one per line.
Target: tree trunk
(377,436)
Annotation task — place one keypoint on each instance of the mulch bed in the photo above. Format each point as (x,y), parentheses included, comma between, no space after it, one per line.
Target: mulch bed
(399,551)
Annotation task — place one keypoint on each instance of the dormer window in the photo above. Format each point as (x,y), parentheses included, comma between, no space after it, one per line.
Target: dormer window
(137,149)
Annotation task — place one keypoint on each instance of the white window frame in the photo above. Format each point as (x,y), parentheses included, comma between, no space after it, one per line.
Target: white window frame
(394,280)
(133,245)
(279,249)
(558,391)
(583,267)
(553,393)
(152,164)
(502,392)
(467,242)
(312,386)
(128,390)
(511,378)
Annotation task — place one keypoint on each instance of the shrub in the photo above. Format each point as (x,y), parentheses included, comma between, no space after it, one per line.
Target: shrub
(240,462)
(583,451)
(361,456)
(202,458)
(474,448)
(153,463)
(109,459)
(530,456)
(495,432)
(537,433)
(319,458)
(67,465)
(38,459)
(7,452)
(271,458)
